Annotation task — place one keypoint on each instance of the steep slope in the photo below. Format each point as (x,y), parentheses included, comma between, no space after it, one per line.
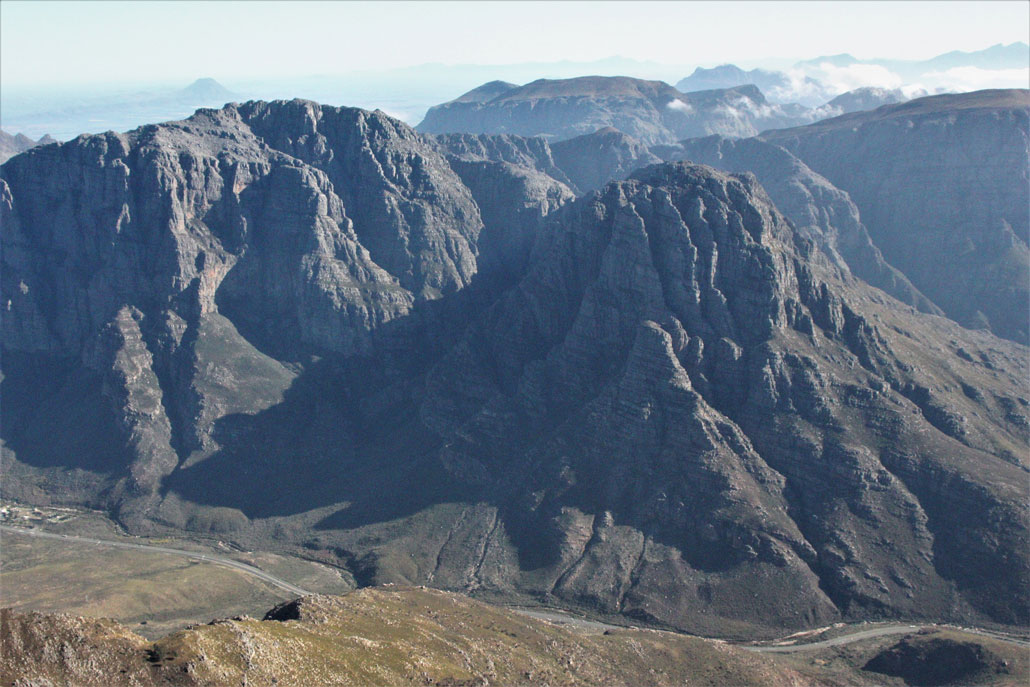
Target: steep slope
(651,111)
(385,636)
(818,209)
(949,206)
(159,281)
(310,327)
(699,414)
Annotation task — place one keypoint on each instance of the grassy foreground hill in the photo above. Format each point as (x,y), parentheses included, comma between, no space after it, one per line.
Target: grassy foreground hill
(394,635)
(373,636)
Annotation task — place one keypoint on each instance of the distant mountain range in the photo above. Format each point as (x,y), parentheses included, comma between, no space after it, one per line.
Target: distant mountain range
(407,93)
(651,111)
(19,143)
(996,57)
(778,86)
(814,82)
(68,117)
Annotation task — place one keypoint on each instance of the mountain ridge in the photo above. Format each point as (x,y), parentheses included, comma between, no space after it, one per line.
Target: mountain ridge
(660,400)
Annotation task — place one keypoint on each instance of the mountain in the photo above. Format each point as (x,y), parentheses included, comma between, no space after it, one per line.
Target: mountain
(384,636)
(778,86)
(592,160)
(819,210)
(649,111)
(405,635)
(205,90)
(487,92)
(69,114)
(999,56)
(999,66)
(949,205)
(12,145)
(867,98)
(313,328)
(1014,56)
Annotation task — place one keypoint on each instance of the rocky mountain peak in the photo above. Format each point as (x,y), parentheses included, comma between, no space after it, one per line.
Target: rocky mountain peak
(663,399)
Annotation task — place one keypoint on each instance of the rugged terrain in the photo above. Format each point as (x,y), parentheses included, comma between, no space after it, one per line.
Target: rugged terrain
(941,183)
(819,210)
(384,636)
(299,326)
(398,636)
(12,145)
(651,111)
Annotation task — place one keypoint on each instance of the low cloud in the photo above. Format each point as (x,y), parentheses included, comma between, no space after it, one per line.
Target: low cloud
(974,79)
(680,106)
(747,111)
(823,112)
(842,79)
(800,88)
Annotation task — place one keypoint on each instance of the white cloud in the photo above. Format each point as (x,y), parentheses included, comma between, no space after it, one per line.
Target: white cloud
(842,79)
(974,79)
(916,90)
(823,112)
(680,106)
(801,89)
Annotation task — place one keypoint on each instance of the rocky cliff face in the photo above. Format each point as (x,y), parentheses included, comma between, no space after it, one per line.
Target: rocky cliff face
(948,205)
(169,277)
(312,326)
(698,411)
(818,209)
(651,111)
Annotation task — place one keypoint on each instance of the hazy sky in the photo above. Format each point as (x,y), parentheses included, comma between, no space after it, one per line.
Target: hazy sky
(49,43)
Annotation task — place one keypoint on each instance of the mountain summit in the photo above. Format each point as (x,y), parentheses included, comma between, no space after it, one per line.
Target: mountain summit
(206,90)
(650,111)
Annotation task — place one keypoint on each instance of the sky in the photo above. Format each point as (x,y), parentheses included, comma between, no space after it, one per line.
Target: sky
(83,43)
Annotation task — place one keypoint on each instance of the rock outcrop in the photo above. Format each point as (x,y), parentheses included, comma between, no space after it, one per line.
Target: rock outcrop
(163,279)
(385,636)
(941,183)
(698,410)
(420,359)
(818,209)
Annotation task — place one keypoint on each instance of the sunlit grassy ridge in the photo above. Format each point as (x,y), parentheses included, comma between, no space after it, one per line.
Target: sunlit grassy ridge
(377,636)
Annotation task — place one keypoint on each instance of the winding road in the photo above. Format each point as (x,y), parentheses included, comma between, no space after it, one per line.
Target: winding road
(205,557)
(833,641)
(552,615)
(559,617)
